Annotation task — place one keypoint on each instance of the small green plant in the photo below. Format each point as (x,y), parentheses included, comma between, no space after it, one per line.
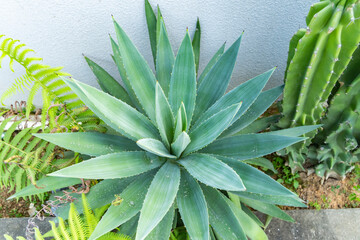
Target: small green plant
(333,188)
(179,143)
(285,176)
(315,205)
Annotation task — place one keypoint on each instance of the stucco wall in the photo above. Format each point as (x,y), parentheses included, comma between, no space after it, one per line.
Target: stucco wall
(61,31)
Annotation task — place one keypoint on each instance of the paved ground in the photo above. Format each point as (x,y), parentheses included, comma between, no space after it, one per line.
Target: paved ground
(331,224)
(17,226)
(343,224)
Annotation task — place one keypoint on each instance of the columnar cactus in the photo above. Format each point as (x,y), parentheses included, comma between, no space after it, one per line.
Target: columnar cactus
(318,56)
(336,147)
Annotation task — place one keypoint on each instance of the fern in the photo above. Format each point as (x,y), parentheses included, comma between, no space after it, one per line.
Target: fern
(77,227)
(25,158)
(53,89)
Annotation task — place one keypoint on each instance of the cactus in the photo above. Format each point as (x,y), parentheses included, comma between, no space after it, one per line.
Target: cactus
(336,147)
(318,56)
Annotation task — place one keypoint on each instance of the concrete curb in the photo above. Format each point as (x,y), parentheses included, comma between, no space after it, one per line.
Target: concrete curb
(328,224)
(15,227)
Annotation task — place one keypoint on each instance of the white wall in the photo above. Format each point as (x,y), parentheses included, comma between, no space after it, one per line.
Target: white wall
(61,30)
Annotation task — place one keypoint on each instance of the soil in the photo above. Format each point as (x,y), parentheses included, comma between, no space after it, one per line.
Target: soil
(13,208)
(332,193)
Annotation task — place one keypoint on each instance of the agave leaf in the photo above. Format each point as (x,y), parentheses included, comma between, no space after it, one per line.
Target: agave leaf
(192,207)
(181,121)
(158,24)
(163,229)
(258,125)
(164,116)
(222,219)
(252,215)
(159,198)
(46,184)
(263,102)
(138,72)
(268,209)
(132,199)
(214,85)
(154,146)
(90,143)
(151,24)
(183,79)
(261,162)
(260,186)
(249,146)
(212,172)
(107,83)
(196,44)
(164,59)
(119,63)
(246,92)
(117,114)
(211,63)
(210,129)
(293,201)
(179,145)
(100,195)
(113,165)
(295,131)
(251,228)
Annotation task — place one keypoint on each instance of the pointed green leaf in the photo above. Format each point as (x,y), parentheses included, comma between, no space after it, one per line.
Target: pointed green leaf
(261,162)
(154,146)
(158,24)
(268,209)
(163,229)
(119,63)
(159,198)
(196,44)
(246,92)
(210,129)
(181,121)
(211,63)
(249,146)
(192,207)
(263,102)
(114,165)
(46,184)
(164,59)
(260,186)
(151,24)
(117,114)
(222,219)
(100,195)
(138,72)
(164,116)
(179,145)
(183,79)
(214,85)
(90,143)
(212,172)
(132,199)
(295,131)
(259,125)
(251,228)
(107,83)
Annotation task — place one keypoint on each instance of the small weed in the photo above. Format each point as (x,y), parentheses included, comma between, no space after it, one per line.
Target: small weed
(315,204)
(326,201)
(284,175)
(15,213)
(333,188)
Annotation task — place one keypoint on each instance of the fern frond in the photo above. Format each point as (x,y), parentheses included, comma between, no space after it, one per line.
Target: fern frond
(24,81)
(41,76)
(24,158)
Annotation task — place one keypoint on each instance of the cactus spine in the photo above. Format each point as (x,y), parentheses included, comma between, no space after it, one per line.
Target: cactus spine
(318,56)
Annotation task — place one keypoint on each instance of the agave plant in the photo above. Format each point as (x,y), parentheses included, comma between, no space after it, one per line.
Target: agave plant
(181,144)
